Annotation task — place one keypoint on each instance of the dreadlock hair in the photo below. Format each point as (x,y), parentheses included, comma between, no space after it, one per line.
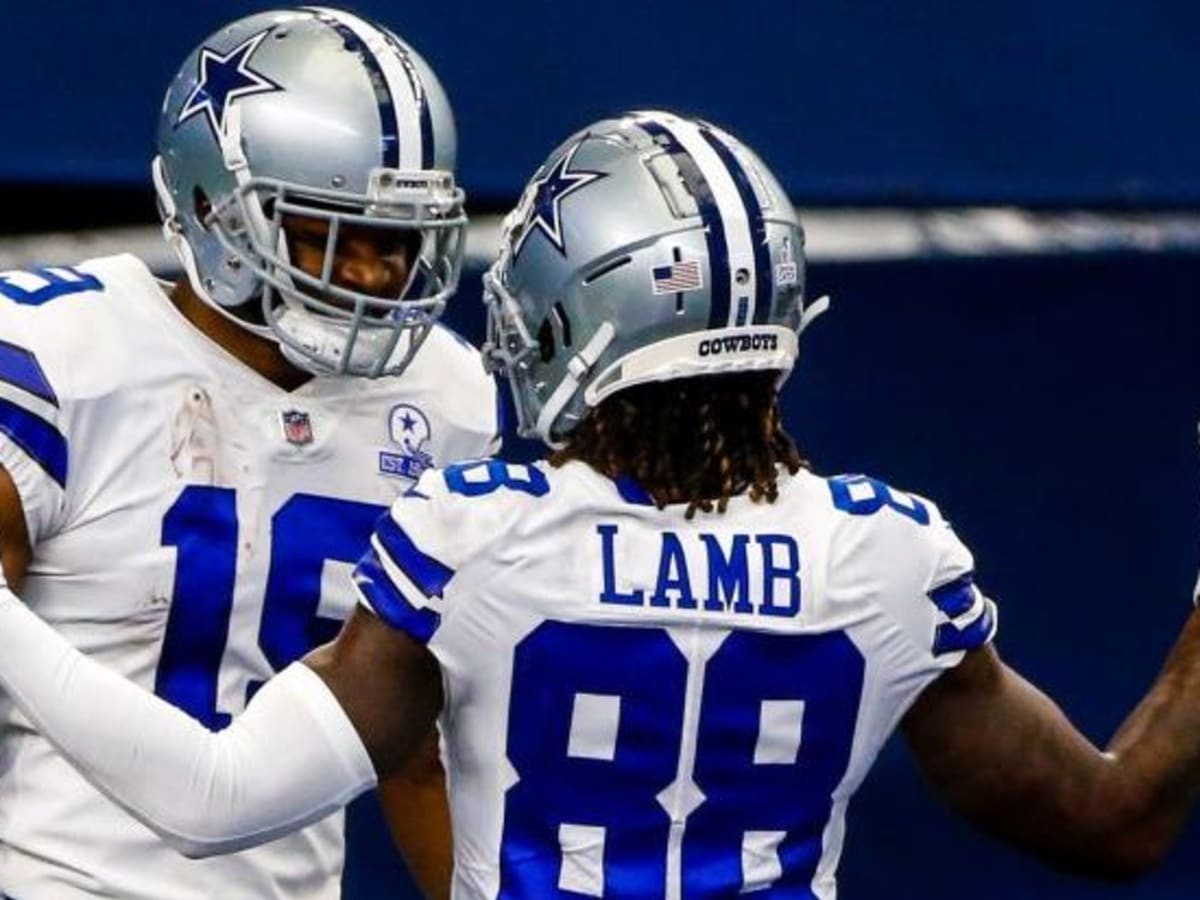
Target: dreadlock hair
(696,440)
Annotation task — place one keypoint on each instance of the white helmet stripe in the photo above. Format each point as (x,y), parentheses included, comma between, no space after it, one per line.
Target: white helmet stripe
(739,244)
(407,98)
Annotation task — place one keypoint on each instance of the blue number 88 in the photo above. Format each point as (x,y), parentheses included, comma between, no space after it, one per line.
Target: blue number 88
(750,808)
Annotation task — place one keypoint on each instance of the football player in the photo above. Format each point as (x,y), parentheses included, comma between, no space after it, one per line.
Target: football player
(665,658)
(190,470)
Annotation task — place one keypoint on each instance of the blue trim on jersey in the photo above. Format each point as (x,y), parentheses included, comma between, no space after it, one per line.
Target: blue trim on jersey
(955,597)
(389,129)
(41,441)
(19,367)
(54,284)
(429,575)
(390,604)
(950,638)
(758,228)
(710,214)
(632,492)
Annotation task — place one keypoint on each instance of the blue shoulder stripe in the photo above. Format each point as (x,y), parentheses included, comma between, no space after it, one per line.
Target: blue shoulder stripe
(955,597)
(19,367)
(43,443)
(390,604)
(950,637)
(422,570)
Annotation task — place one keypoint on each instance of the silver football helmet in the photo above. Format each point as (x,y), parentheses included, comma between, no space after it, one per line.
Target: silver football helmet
(646,248)
(314,114)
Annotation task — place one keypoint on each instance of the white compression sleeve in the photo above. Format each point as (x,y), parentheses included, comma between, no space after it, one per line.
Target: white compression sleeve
(291,758)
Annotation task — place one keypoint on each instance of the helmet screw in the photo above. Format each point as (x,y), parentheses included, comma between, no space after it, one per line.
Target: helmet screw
(741,276)
(233,263)
(338,181)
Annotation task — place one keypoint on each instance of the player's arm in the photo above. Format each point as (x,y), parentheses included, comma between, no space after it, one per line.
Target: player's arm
(293,757)
(1003,754)
(418,814)
(395,722)
(314,737)
(388,685)
(414,800)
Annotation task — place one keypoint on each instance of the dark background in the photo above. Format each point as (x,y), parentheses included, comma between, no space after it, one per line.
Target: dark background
(871,101)
(1046,402)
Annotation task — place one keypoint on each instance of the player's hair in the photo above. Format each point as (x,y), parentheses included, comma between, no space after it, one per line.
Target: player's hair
(698,440)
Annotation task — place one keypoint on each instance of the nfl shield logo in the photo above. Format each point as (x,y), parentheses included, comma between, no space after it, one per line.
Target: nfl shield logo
(297,427)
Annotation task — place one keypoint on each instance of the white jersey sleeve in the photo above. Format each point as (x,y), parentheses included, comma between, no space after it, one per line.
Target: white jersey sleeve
(37,401)
(447,519)
(900,550)
(291,759)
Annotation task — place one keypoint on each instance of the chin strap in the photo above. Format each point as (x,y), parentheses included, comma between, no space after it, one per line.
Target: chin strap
(172,231)
(234,156)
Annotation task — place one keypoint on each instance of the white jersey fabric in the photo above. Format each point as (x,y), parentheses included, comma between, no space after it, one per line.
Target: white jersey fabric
(642,705)
(193,526)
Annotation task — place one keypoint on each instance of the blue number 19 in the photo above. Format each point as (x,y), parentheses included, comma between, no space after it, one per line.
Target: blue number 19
(202,525)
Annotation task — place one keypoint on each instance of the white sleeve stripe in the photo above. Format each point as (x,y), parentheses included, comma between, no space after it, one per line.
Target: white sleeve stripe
(405,585)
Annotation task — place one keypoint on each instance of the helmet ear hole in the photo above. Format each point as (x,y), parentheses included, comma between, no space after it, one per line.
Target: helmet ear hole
(555,329)
(546,342)
(202,206)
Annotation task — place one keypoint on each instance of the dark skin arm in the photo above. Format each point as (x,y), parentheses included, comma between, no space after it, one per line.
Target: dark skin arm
(391,688)
(1003,754)
(414,800)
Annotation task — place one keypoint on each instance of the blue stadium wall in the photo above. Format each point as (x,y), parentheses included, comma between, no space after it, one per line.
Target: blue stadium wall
(1072,102)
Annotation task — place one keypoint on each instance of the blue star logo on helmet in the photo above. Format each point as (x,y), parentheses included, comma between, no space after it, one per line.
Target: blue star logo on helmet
(544,199)
(222,79)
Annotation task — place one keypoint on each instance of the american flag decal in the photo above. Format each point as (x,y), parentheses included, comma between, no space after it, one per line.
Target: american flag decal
(680,276)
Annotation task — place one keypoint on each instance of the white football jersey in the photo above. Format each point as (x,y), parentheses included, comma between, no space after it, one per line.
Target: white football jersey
(193,528)
(641,705)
